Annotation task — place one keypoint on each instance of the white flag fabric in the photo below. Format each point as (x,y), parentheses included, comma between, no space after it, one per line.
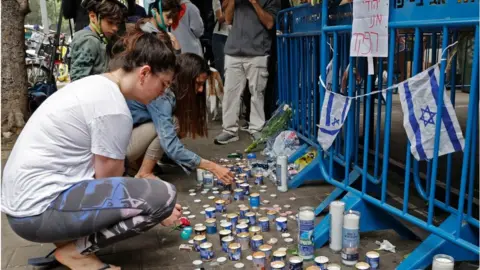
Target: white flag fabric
(329,76)
(419,97)
(334,112)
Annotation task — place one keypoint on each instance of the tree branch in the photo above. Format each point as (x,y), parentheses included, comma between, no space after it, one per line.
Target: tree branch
(23,6)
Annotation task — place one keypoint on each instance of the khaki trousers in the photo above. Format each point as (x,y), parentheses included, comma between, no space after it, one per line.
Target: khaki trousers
(238,70)
(145,142)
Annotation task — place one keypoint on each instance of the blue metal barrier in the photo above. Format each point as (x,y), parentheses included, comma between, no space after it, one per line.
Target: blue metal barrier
(359,161)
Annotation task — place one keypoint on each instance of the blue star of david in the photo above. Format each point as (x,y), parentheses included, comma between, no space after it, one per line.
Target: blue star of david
(335,121)
(427,116)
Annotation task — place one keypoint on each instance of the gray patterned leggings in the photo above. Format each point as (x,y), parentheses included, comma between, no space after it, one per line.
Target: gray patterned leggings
(97,213)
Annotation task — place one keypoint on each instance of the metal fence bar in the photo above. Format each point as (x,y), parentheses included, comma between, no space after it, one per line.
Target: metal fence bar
(473,98)
(414,45)
(436,148)
(410,218)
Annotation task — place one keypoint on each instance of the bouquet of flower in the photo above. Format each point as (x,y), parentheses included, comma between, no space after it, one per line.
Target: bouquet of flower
(277,123)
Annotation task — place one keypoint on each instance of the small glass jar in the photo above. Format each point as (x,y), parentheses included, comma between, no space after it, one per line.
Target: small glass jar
(290,245)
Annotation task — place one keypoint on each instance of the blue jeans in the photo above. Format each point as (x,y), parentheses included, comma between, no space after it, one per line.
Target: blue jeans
(218,45)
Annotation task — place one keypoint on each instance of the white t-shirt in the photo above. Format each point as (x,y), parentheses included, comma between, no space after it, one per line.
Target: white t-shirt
(57,145)
(224,28)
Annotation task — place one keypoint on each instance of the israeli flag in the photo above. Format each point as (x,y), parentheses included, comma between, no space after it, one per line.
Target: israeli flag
(419,97)
(329,76)
(334,112)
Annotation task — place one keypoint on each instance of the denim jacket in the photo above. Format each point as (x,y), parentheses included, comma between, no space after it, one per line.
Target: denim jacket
(160,111)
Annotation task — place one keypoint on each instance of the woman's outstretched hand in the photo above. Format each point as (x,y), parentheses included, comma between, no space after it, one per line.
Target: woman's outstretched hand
(223,174)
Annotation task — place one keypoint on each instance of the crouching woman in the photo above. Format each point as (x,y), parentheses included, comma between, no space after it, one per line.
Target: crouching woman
(180,112)
(63,181)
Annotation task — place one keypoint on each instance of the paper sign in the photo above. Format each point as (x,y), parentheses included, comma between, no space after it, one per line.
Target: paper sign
(370,28)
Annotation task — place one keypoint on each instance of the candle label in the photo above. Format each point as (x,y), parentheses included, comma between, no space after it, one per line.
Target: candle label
(351,239)
(305,249)
(279,174)
(208,179)
(235,253)
(373,262)
(212,228)
(206,254)
(306,230)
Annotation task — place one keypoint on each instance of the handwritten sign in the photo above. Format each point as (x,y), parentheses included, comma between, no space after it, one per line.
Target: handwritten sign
(370,28)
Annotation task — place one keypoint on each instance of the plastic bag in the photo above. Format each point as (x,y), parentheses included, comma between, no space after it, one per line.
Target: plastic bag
(385,245)
(285,144)
(274,126)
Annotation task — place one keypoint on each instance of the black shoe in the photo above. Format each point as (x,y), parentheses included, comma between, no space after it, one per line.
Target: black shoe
(157,170)
(167,161)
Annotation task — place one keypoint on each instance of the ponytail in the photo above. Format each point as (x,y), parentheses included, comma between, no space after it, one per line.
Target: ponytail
(138,48)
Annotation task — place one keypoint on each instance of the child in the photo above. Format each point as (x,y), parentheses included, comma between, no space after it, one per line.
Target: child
(89,53)
(162,14)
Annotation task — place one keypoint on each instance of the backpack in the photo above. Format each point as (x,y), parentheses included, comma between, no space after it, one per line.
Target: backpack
(38,93)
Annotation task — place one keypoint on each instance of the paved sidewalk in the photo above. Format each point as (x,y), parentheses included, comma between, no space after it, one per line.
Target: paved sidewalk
(159,249)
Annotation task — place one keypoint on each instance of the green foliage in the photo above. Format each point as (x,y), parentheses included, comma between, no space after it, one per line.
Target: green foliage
(53,11)
(277,123)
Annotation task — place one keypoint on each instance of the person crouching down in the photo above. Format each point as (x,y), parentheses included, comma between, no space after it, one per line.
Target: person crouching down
(180,112)
(63,181)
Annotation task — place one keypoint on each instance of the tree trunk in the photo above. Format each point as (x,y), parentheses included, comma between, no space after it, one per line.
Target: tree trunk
(14,73)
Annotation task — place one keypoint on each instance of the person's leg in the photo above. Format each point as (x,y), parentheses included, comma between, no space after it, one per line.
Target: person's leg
(257,75)
(96,213)
(235,81)
(156,153)
(218,45)
(270,93)
(144,143)
(153,154)
(246,98)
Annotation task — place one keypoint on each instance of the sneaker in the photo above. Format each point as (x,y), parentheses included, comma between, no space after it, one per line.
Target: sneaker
(244,127)
(256,135)
(224,138)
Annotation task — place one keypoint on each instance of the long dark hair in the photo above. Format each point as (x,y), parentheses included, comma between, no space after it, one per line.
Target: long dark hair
(138,48)
(191,109)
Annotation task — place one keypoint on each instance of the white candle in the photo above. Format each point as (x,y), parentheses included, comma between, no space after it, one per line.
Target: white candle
(336,224)
(306,223)
(351,237)
(282,176)
(334,266)
(307,215)
(443,262)
(200,176)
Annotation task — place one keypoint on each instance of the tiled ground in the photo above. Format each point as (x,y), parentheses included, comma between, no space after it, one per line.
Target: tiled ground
(158,248)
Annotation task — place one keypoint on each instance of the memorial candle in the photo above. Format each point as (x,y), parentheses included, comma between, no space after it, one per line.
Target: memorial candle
(443,262)
(336,225)
(351,237)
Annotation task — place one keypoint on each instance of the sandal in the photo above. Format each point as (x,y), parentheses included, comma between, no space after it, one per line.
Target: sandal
(105,266)
(48,260)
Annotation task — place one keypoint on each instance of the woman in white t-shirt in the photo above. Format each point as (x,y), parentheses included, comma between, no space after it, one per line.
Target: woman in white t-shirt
(63,181)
